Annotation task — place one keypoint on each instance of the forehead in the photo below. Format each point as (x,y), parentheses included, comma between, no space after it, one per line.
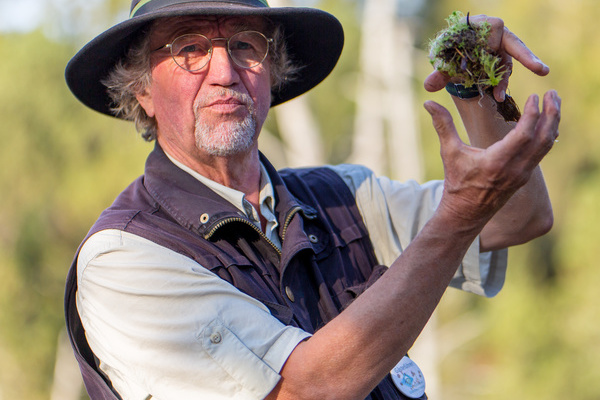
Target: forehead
(170,28)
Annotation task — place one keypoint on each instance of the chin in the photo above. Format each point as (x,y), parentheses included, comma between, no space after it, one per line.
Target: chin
(226,139)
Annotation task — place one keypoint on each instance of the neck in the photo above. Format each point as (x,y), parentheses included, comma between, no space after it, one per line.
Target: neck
(240,171)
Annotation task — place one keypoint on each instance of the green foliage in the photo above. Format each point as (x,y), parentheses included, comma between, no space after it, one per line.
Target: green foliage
(61,165)
(461,51)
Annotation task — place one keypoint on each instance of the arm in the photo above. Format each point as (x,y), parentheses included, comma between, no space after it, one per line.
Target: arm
(151,316)
(528,214)
(351,354)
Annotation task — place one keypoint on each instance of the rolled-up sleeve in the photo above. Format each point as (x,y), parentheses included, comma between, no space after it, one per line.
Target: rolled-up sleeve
(394,212)
(164,326)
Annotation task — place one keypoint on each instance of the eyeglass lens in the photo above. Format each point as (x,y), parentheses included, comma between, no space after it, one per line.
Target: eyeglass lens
(247,49)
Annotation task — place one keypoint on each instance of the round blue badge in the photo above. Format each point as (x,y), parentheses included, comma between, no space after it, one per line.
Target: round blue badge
(408,378)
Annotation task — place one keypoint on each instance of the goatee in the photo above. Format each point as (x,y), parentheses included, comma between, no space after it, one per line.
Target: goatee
(227,137)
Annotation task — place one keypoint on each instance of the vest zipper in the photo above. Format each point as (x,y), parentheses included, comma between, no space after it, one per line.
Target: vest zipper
(288,219)
(245,221)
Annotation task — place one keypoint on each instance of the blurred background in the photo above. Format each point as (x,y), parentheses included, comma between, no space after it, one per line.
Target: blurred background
(61,164)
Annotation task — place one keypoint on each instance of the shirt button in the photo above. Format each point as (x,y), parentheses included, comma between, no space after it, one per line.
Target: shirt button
(216,338)
(289,293)
(313,238)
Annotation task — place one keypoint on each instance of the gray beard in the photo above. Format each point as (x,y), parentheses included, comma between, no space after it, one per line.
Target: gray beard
(227,138)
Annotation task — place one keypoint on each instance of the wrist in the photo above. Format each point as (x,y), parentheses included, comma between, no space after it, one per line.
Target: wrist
(463,92)
(462,220)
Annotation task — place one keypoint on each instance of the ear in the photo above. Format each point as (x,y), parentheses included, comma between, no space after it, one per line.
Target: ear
(146,101)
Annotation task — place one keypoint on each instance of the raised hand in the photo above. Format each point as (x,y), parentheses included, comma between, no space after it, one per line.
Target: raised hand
(507,45)
(478,182)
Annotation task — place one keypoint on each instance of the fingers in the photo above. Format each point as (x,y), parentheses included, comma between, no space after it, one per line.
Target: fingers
(444,125)
(503,41)
(542,124)
(496,29)
(536,131)
(515,47)
(508,46)
(435,81)
(500,89)
(531,114)
(550,118)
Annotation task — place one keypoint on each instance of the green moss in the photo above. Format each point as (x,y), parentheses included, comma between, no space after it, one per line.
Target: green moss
(461,51)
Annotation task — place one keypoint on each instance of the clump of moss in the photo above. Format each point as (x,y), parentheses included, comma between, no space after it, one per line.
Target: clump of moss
(462,51)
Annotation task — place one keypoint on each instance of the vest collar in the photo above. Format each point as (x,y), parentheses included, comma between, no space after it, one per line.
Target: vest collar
(197,207)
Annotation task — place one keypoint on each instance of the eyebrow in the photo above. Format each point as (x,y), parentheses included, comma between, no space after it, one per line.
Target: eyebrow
(195,25)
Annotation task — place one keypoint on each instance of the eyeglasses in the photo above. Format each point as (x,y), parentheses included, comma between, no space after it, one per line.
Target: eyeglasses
(192,52)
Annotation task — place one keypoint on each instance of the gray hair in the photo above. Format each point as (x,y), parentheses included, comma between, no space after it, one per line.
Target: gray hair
(132,75)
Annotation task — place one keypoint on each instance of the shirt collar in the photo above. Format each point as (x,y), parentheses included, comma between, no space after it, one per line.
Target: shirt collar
(235,197)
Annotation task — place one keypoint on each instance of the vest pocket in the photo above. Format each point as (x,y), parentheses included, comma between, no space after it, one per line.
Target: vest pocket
(346,262)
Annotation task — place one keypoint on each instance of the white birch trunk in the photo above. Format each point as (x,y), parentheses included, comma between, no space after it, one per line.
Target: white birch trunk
(405,157)
(368,145)
(385,104)
(300,134)
(302,144)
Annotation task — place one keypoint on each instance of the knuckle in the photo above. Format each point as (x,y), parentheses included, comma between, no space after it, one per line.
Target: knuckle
(553,112)
(442,123)
(439,125)
(495,169)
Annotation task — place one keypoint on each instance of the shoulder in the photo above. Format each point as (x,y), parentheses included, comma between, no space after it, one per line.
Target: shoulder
(114,248)
(352,175)
(355,176)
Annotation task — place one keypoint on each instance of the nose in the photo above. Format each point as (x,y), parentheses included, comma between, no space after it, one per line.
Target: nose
(221,68)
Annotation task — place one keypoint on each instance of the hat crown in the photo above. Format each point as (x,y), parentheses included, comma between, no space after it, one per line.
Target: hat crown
(140,7)
(313,38)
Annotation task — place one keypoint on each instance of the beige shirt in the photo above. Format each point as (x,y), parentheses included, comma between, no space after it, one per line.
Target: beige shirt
(164,327)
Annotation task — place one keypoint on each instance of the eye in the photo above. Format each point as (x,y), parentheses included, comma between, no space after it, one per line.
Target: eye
(190,48)
(241,45)
(191,45)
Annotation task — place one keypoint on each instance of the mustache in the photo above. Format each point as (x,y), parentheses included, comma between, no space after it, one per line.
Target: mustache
(221,93)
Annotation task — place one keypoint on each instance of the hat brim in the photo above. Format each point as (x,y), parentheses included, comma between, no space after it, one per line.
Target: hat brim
(314,40)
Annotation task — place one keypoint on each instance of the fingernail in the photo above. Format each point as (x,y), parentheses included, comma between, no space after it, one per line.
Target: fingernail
(432,108)
(427,106)
(545,68)
(503,95)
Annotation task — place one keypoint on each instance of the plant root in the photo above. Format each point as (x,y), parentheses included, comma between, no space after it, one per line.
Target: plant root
(508,109)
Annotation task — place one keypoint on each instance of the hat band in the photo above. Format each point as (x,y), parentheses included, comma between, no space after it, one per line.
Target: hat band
(145,6)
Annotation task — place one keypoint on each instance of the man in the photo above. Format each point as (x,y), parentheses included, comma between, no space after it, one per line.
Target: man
(214,276)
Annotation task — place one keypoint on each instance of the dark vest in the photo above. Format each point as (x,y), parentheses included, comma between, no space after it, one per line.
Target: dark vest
(326,258)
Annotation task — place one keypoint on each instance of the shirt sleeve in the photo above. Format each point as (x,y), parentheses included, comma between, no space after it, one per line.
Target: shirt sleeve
(163,326)
(394,212)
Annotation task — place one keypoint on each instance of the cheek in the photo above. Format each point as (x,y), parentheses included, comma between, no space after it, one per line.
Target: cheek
(262,96)
(263,104)
(174,107)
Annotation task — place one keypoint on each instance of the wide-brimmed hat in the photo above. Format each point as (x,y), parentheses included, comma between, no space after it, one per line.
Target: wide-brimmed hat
(314,40)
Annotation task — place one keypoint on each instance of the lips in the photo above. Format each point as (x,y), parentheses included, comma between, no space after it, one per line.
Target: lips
(225,106)
(227,101)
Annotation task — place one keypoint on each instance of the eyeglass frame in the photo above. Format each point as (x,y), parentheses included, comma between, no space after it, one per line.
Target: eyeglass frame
(210,51)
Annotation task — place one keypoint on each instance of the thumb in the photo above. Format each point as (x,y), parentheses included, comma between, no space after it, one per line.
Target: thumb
(443,124)
(435,81)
